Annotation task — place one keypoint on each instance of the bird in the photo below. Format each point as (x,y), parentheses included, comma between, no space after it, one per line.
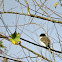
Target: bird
(45,41)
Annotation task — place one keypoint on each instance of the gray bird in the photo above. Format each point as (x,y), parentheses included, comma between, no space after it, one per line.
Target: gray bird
(45,41)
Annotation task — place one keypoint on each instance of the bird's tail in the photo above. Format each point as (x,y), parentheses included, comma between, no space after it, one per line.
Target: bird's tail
(50,51)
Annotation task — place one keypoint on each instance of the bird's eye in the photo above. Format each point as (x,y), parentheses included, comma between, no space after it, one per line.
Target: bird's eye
(19,42)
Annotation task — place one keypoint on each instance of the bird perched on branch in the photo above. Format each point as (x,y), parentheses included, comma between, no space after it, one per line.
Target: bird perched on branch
(45,41)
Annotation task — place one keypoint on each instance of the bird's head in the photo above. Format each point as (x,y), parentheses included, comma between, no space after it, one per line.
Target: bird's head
(42,34)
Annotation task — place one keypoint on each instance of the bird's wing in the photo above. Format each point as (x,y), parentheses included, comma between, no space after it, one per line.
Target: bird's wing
(46,41)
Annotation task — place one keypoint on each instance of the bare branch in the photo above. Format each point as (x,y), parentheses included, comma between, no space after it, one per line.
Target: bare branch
(10,59)
(38,55)
(48,19)
(27,8)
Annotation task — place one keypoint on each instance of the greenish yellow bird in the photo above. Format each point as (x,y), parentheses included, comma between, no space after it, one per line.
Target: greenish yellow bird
(15,38)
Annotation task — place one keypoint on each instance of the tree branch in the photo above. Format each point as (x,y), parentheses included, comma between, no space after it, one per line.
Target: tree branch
(48,19)
(41,46)
(38,55)
(27,7)
(11,59)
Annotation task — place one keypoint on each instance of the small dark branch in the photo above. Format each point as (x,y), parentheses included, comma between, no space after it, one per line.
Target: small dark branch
(10,59)
(41,46)
(2,36)
(5,37)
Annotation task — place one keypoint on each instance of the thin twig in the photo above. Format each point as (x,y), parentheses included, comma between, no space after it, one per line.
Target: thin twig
(48,19)
(38,55)
(27,8)
(10,59)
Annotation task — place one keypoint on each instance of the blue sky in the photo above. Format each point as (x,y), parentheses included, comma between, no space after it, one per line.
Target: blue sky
(31,32)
